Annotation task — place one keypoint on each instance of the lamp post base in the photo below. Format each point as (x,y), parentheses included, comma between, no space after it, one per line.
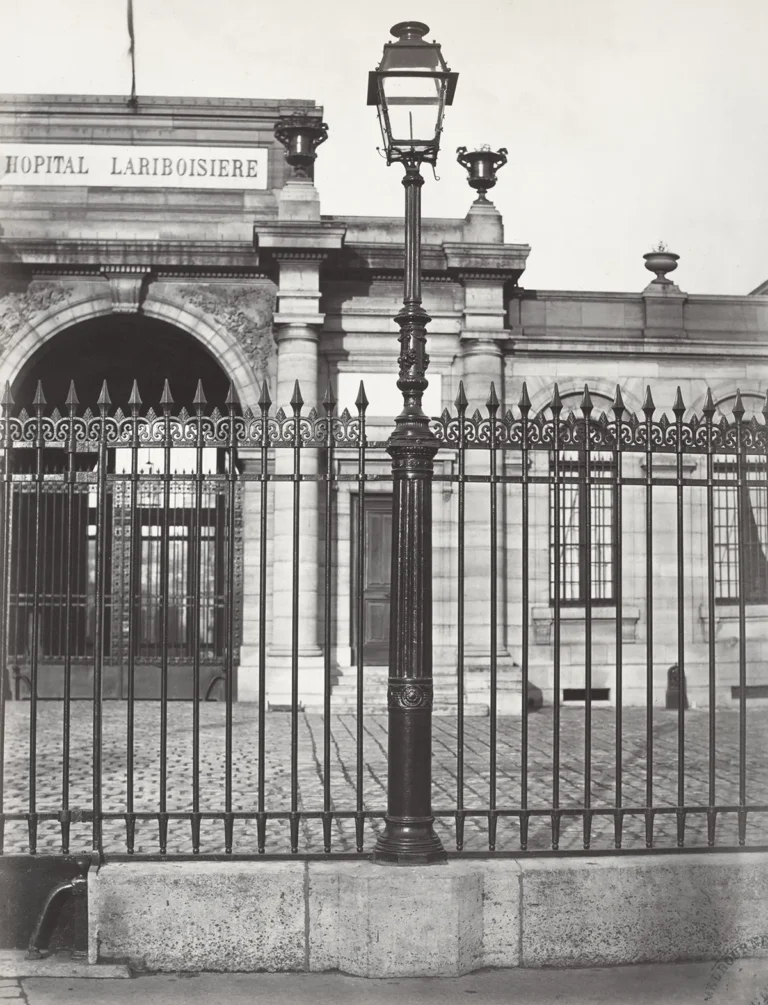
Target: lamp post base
(409,842)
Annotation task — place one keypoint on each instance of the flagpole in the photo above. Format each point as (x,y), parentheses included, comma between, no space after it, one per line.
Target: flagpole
(133,101)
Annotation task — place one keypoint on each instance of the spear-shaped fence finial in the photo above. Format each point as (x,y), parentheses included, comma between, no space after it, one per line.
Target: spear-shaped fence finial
(361,401)
(524,402)
(460,400)
(200,400)
(649,406)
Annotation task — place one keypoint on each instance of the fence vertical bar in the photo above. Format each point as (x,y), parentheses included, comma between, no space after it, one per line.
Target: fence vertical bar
(65,815)
(586,409)
(104,401)
(618,596)
(32,818)
(709,412)
(6,510)
(409,836)
(493,405)
(648,409)
(678,409)
(361,403)
(296,404)
(743,499)
(461,410)
(196,557)
(134,557)
(231,601)
(261,819)
(524,404)
(166,401)
(556,407)
(329,405)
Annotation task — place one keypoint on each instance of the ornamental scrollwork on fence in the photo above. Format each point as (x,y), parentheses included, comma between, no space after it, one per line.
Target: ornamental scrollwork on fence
(259,427)
(603,432)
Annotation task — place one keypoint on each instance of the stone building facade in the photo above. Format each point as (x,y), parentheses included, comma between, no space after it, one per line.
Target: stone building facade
(144,243)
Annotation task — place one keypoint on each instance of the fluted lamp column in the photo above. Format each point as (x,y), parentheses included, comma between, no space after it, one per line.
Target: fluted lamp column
(410,88)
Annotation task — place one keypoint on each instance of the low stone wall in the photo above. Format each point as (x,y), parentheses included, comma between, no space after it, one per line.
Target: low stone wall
(378,921)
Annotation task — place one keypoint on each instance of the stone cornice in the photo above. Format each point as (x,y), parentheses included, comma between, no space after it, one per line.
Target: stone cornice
(588,295)
(632,344)
(290,236)
(22,114)
(95,255)
(74,102)
(474,260)
(499,263)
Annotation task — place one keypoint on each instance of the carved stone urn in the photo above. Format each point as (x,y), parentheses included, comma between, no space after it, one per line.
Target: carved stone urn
(661,262)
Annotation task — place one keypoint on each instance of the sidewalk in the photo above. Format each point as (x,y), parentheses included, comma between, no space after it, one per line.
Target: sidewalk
(745,983)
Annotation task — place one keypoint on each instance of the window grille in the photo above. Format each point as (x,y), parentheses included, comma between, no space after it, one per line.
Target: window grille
(751,502)
(586,550)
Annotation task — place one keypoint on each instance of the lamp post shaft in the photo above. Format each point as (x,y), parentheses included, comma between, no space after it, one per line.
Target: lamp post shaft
(409,837)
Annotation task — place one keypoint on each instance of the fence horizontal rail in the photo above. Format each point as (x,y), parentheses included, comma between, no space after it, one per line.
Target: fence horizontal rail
(600,626)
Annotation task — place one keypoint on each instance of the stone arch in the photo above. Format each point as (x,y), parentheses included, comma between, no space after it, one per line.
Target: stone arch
(223,346)
(572,387)
(752,393)
(65,305)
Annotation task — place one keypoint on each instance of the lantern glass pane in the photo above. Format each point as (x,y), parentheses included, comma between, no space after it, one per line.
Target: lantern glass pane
(414,106)
(423,58)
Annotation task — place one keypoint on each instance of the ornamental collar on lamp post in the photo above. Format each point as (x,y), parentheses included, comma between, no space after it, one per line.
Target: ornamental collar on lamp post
(481,166)
(301,135)
(411,87)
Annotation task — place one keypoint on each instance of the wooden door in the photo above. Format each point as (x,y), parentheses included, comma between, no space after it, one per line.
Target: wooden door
(377,558)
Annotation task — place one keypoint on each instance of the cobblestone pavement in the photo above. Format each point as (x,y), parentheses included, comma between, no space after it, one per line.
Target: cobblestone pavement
(368,778)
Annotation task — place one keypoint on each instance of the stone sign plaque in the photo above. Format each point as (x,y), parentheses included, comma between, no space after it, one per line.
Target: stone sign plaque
(127,166)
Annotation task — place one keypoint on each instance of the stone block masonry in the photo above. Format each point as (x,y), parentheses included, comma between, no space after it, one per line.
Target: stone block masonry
(376,921)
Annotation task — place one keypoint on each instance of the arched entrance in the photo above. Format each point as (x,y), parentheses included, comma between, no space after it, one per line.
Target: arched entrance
(119,561)
(121,348)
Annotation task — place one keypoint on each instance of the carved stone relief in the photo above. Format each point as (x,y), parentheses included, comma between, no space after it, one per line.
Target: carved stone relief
(20,307)
(245,314)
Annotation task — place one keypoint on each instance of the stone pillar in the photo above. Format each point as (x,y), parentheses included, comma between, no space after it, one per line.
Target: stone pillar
(297,325)
(483,363)
(296,362)
(248,675)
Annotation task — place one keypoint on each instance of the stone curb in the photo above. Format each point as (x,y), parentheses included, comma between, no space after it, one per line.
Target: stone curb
(375,921)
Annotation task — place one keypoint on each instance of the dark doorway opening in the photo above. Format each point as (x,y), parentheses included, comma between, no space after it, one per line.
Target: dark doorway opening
(121,348)
(155,542)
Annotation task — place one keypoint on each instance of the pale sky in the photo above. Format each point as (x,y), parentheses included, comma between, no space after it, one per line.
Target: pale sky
(626,122)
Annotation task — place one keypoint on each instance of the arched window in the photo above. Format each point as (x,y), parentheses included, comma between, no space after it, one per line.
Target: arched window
(746,507)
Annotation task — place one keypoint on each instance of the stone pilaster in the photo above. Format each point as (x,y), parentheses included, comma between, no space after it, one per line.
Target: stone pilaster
(296,361)
(297,323)
(483,335)
(296,245)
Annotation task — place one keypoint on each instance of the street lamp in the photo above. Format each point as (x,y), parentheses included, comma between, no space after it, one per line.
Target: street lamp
(410,88)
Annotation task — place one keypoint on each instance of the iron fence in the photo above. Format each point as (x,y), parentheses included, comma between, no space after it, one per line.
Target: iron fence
(599,605)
